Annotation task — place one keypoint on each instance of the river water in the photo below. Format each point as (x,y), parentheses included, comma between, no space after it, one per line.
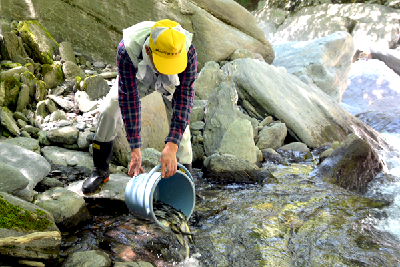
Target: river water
(373,95)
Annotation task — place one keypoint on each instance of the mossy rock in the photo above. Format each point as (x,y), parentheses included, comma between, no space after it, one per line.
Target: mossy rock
(10,88)
(9,66)
(41,43)
(17,217)
(52,75)
(7,120)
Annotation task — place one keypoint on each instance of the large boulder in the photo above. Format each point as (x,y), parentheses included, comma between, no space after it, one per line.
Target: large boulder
(13,45)
(68,208)
(41,44)
(32,165)
(97,33)
(351,166)
(327,63)
(27,231)
(309,114)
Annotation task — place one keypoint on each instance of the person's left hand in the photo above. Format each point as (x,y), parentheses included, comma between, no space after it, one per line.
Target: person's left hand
(168,160)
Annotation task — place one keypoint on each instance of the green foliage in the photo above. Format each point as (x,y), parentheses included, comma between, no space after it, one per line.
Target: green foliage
(16,217)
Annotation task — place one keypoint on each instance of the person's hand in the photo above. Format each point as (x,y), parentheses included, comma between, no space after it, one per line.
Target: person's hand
(135,166)
(168,160)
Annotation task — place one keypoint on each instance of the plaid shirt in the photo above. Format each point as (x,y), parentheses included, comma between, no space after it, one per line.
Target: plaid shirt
(129,102)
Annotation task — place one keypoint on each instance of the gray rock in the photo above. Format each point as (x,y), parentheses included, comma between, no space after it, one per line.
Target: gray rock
(66,52)
(322,121)
(351,166)
(52,75)
(84,140)
(28,143)
(11,179)
(41,110)
(65,157)
(221,112)
(98,64)
(230,169)
(208,79)
(19,59)
(29,79)
(96,87)
(238,141)
(64,135)
(41,91)
(12,72)
(21,124)
(32,165)
(97,259)
(71,70)
(68,208)
(327,63)
(198,153)
(198,110)
(271,156)
(19,115)
(23,97)
(272,136)
(57,116)
(197,126)
(66,104)
(296,146)
(48,183)
(51,106)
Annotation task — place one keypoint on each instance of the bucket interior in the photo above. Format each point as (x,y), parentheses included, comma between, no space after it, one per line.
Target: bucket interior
(177,191)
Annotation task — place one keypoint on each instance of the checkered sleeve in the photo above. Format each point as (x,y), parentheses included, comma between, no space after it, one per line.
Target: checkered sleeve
(128,96)
(182,101)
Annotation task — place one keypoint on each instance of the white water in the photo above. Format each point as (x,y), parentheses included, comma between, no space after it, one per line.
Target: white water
(374,92)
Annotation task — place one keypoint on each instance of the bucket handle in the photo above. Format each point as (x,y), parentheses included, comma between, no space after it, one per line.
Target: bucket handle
(156,168)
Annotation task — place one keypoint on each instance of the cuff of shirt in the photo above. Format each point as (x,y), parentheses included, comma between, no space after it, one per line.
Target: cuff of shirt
(174,139)
(134,142)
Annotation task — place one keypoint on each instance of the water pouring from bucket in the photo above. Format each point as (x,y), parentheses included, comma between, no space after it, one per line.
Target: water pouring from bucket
(144,190)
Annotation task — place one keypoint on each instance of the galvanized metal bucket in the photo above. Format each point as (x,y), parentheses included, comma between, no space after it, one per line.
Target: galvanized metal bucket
(146,188)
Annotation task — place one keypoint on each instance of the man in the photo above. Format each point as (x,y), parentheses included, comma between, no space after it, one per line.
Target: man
(151,56)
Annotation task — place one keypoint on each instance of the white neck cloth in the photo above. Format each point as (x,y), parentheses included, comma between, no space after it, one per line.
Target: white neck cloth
(151,78)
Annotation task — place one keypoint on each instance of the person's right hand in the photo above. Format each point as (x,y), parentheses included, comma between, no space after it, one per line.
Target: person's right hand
(135,166)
